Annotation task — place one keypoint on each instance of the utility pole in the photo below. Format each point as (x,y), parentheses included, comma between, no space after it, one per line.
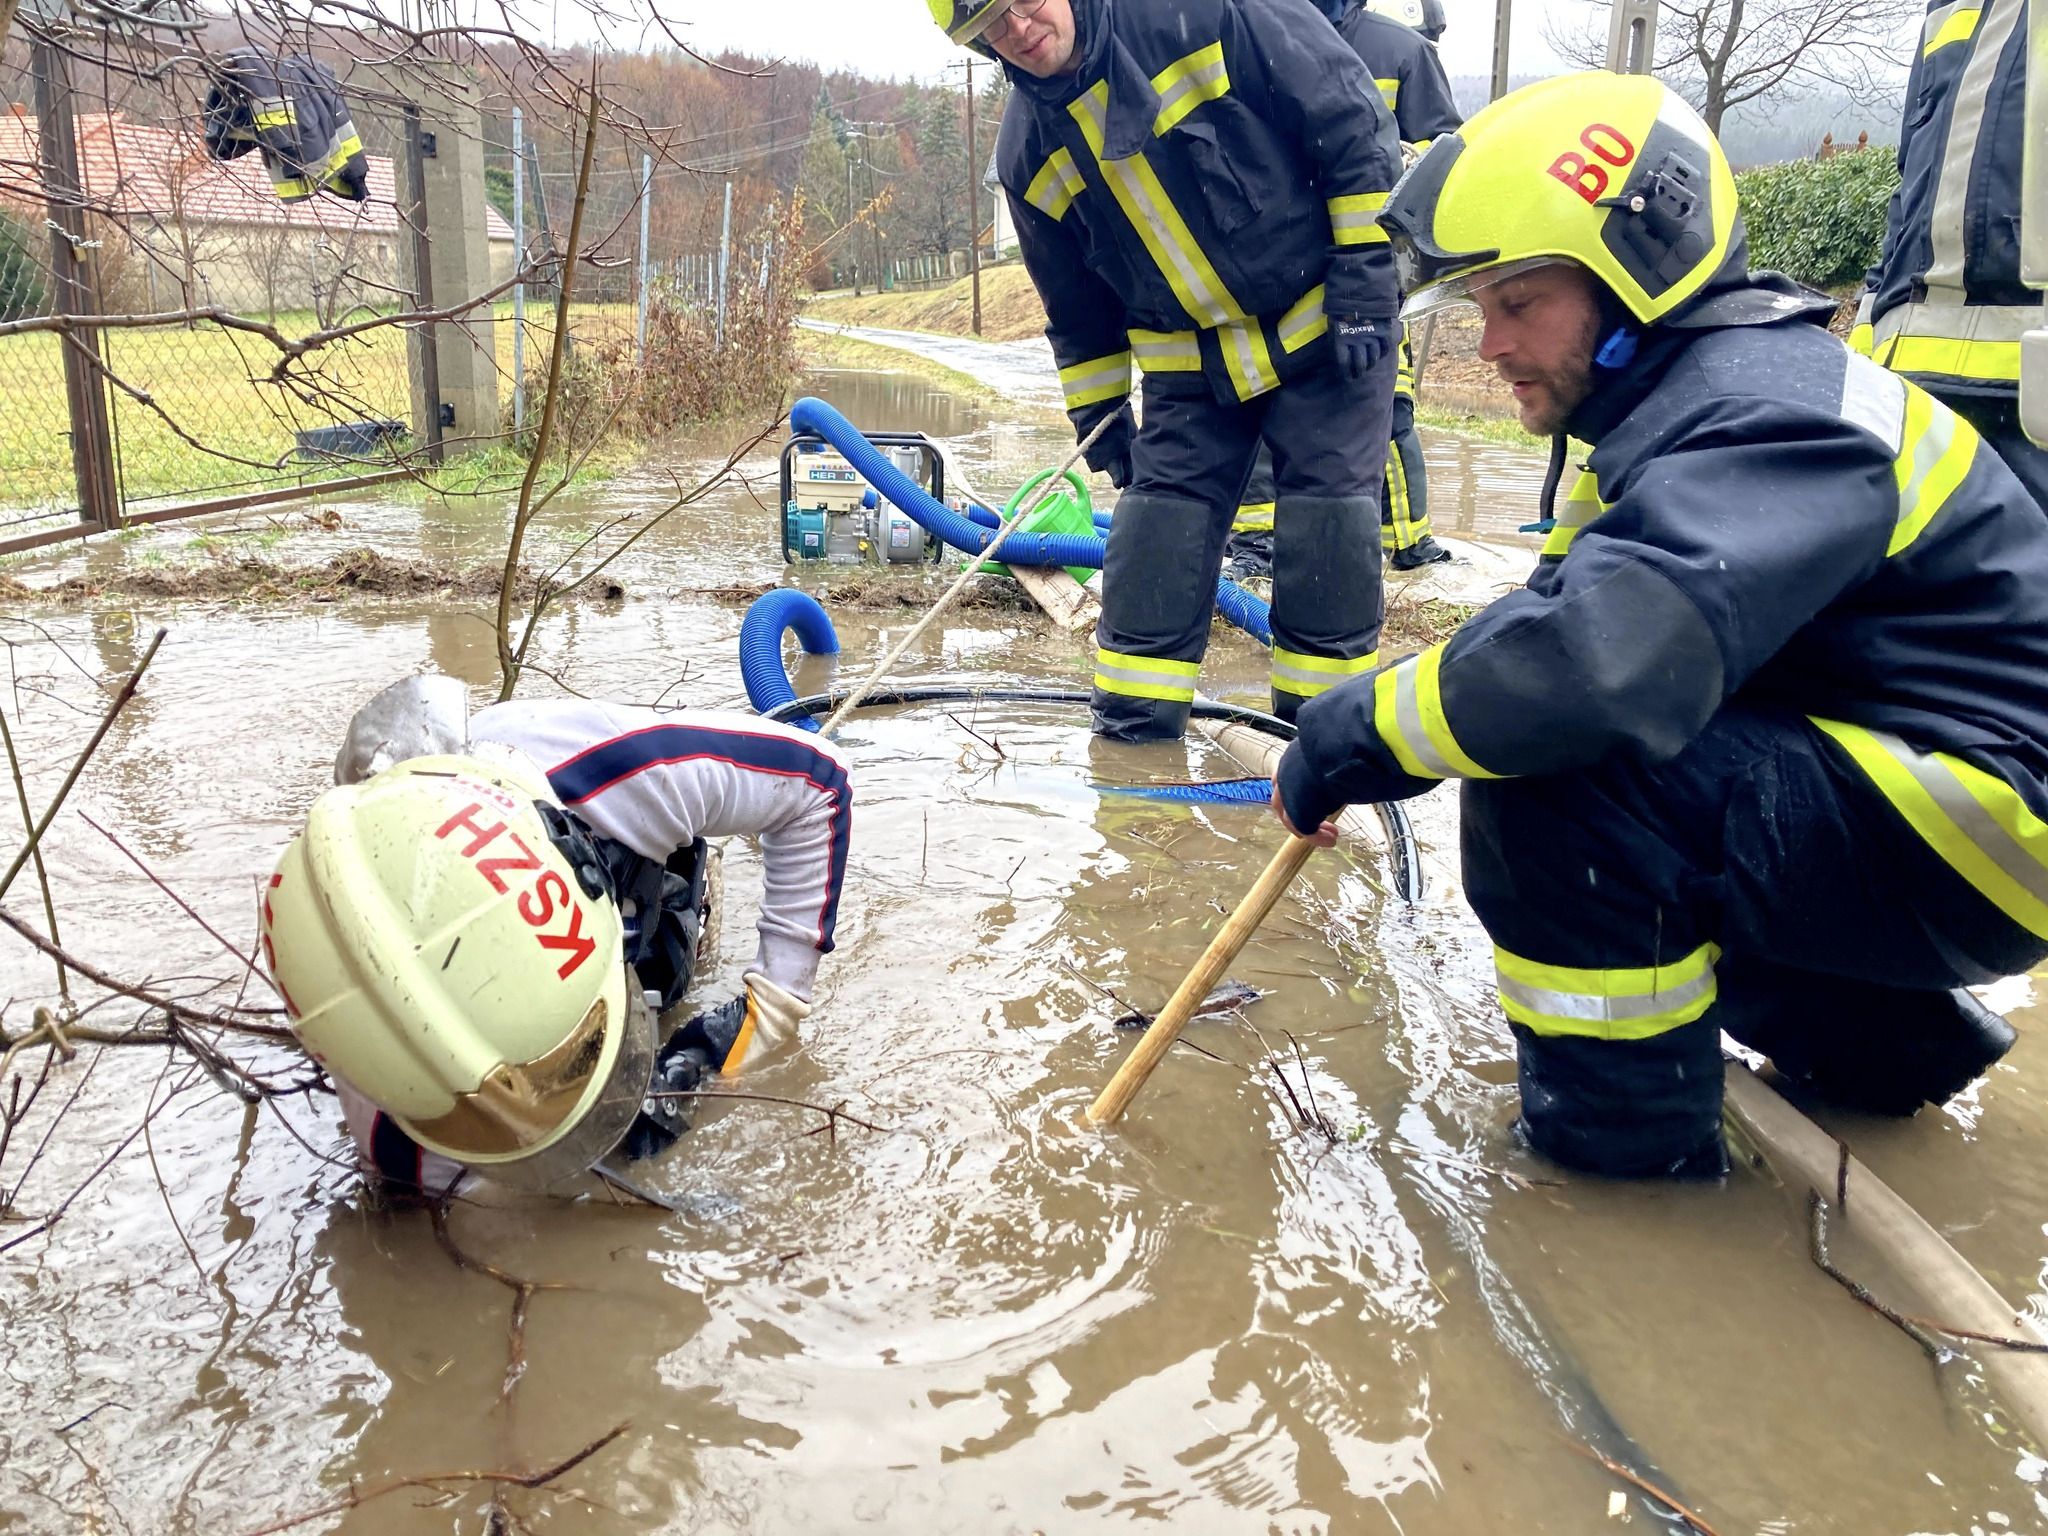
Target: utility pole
(1503,25)
(1632,36)
(867,161)
(973,201)
(853,245)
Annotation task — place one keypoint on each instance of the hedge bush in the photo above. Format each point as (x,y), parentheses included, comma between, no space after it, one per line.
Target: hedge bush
(1821,221)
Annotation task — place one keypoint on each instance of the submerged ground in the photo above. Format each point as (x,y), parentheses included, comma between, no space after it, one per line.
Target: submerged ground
(970,1318)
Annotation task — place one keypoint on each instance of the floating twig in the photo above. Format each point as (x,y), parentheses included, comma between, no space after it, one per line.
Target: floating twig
(1647,1489)
(28,827)
(356,1497)
(1914,1327)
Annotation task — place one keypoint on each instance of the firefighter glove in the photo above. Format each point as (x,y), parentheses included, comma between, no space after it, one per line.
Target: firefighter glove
(1360,344)
(1111,452)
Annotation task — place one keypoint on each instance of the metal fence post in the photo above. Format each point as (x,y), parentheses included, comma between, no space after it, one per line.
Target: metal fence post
(76,289)
(646,201)
(724,258)
(519,266)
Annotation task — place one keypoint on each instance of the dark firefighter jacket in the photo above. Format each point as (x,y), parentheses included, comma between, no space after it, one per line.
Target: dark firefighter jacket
(1945,299)
(1405,67)
(291,110)
(1766,518)
(1201,194)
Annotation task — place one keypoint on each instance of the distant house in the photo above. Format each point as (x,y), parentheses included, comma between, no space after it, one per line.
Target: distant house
(179,229)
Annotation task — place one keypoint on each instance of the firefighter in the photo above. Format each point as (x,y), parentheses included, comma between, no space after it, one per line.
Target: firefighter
(1411,81)
(1945,305)
(486,930)
(1196,187)
(1763,744)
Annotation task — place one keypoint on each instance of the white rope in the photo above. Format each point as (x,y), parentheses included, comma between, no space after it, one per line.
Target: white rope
(974,564)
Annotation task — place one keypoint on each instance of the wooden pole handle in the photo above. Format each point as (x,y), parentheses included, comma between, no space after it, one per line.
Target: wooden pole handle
(1158,1039)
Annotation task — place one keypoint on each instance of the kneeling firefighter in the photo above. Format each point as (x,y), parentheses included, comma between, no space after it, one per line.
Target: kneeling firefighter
(489,955)
(1763,744)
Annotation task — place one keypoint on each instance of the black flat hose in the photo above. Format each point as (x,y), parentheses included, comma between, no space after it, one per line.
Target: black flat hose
(1402,855)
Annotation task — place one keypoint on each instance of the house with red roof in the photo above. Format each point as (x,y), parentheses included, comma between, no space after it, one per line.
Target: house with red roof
(179,229)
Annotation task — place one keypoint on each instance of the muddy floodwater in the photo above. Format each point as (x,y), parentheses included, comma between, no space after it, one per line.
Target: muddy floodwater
(972,1317)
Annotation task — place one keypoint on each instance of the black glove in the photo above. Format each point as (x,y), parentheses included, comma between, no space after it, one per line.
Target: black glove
(679,1068)
(1111,452)
(1360,344)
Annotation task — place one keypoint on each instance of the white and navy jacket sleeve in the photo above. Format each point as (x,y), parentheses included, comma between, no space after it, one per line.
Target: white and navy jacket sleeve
(655,781)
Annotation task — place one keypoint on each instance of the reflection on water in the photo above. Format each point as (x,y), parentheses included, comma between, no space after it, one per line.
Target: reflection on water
(977,1318)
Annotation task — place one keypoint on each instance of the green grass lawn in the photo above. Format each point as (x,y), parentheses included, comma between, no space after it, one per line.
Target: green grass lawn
(211,404)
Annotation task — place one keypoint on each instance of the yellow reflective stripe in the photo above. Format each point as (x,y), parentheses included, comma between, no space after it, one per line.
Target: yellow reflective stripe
(1863,338)
(1054,188)
(1952,357)
(1165,235)
(1166,351)
(1186,83)
(1355,218)
(1408,713)
(1959,25)
(1305,676)
(1390,92)
(277,117)
(1401,528)
(1100,378)
(1404,370)
(1974,820)
(1627,1003)
(348,147)
(1304,321)
(1247,358)
(1145,677)
(1939,449)
(1253,517)
(1580,508)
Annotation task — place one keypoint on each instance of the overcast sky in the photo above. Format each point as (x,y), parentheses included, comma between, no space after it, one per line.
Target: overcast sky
(897,38)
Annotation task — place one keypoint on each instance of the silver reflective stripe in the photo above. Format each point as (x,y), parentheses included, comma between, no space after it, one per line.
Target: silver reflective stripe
(1179,681)
(1584,504)
(1238,338)
(1970,817)
(1210,306)
(1956,321)
(1966,127)
(1199,79)
(1306,316)
(1174,351)
(1874,399)
(1408,712)
(1611,1010)
(1113,371)
(1927,452)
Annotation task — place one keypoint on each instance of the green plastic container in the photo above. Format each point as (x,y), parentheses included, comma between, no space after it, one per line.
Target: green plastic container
(1067,510)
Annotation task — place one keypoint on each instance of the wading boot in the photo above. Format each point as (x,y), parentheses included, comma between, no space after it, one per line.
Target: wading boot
(1424,551)
(1925,1053)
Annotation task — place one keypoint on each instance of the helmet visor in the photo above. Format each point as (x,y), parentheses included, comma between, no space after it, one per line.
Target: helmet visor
(607,1111)
(1466,287)
(971,18)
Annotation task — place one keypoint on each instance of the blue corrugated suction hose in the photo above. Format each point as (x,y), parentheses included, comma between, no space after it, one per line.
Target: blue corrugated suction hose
(927,511)
(973,532)
(772,615)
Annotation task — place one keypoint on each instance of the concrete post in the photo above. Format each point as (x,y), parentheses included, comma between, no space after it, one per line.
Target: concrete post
(458,255)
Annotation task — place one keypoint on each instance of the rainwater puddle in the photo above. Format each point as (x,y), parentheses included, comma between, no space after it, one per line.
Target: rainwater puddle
(974,1318)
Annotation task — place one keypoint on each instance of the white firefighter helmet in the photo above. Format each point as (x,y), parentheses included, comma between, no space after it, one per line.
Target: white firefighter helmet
(438,952)
(1406,12)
